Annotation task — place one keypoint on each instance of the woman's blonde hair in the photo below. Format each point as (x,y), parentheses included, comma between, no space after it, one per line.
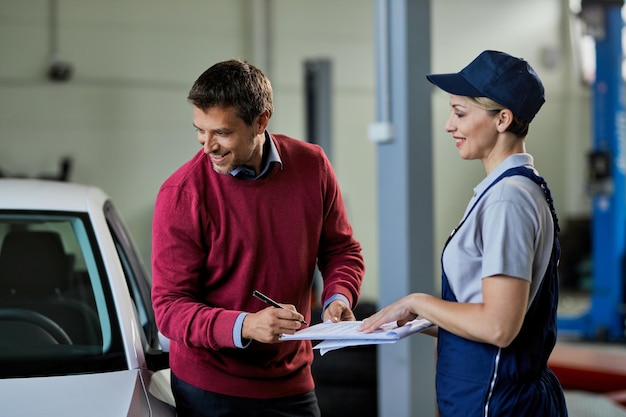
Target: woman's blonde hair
(519,127)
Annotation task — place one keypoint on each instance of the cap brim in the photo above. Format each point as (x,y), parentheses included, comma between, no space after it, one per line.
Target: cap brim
(454,84)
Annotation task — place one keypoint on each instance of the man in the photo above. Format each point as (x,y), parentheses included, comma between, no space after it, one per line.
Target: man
(250,211)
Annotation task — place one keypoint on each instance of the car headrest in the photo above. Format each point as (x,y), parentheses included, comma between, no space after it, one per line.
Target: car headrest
(33,263)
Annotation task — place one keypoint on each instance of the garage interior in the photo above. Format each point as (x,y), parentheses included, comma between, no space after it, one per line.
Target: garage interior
(94,92)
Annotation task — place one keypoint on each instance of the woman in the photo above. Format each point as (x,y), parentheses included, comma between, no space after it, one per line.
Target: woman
(496,319)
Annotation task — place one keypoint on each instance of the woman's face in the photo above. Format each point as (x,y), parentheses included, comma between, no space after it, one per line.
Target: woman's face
(473,128)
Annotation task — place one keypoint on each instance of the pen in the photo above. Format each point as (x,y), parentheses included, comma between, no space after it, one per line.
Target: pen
(271,302)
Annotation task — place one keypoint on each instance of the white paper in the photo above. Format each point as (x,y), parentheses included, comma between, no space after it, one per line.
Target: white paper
(331,344)
(346,333)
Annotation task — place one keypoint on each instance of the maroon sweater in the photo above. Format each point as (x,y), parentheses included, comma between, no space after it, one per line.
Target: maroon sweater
(216,238)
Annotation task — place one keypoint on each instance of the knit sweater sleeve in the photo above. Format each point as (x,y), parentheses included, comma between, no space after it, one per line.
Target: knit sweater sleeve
(178,257)
(339,259)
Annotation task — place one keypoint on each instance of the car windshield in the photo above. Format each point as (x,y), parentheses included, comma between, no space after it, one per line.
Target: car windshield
(56,309)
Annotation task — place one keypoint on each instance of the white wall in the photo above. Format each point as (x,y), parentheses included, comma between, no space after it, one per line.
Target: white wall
(124,119)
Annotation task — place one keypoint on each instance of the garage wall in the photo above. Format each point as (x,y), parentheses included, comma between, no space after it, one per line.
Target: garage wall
(124,121)
(122,117)
(559,136)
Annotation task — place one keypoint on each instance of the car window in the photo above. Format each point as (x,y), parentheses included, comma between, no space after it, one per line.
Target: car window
(56,308)
(137,278)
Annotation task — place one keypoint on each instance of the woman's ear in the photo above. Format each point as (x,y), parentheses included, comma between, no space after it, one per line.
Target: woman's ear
(504,120)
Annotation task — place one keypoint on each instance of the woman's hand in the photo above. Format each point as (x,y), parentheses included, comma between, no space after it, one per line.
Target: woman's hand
(401,311)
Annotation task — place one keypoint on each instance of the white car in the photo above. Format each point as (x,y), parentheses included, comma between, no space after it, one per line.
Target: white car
(77,329)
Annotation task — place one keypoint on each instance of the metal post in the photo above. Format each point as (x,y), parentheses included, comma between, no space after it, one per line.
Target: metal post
(609,209)
(405,197)
(605,316)
(318,117)
(318,106)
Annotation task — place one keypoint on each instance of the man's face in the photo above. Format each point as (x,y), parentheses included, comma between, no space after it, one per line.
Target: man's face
(228,140)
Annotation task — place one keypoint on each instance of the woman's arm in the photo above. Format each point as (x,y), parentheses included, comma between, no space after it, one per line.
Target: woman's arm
(497,320)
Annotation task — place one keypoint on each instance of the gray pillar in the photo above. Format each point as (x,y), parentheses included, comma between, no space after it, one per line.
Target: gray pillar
(318,105)
(406,370)
(318,102)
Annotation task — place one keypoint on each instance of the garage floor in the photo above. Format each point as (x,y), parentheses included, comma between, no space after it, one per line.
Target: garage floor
(579,403)
(585,404)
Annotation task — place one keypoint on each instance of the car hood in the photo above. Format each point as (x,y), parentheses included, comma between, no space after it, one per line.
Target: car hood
(111,394)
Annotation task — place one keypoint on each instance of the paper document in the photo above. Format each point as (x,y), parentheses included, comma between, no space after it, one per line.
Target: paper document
(346,333)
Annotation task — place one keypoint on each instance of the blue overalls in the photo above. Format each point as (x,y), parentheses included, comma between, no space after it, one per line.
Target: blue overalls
(481,380)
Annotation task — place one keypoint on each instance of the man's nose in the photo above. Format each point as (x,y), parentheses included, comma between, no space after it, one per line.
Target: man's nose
(208,144)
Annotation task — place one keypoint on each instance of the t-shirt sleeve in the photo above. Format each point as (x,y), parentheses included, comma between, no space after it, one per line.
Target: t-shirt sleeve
(509,233)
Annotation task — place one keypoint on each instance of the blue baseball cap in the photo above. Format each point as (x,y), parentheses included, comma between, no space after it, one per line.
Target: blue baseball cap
(507,80)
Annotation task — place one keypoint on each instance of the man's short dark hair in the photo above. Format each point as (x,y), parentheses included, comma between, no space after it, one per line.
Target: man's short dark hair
(233,83)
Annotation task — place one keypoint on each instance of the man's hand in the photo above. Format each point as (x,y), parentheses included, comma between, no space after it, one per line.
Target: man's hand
(338,311)
(267,325)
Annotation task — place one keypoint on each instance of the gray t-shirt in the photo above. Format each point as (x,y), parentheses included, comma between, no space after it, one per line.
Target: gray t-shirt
(510,232)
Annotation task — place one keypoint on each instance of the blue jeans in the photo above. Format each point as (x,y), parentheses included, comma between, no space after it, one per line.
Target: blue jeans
(196,402)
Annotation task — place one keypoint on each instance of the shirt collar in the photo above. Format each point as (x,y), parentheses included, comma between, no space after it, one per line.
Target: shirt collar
(515,160)
(272,156)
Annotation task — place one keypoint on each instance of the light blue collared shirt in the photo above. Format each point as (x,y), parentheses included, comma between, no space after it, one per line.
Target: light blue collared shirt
(248,173)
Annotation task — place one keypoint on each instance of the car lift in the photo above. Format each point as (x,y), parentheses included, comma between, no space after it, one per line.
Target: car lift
(604,320)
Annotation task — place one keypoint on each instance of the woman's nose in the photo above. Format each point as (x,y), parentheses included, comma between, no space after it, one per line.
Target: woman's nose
(449,127)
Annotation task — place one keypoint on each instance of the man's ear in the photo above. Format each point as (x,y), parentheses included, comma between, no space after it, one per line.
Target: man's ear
(504,120)
(262,121)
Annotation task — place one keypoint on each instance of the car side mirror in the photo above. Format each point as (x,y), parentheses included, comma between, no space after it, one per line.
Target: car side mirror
(157,359)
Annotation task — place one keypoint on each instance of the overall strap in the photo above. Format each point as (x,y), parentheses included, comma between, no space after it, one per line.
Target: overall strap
(528,173)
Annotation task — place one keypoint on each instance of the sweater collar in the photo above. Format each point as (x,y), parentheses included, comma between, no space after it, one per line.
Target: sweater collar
(269,149)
